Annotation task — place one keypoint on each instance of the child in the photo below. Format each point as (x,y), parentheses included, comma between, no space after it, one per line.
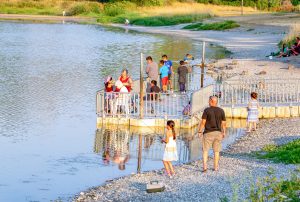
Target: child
(109,84)
(285,51)
(170,153)
(169,64)
(182,72)
(154,90)
(164,72)
(253,106)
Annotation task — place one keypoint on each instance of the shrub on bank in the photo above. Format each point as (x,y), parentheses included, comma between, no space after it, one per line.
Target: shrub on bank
(168,20)
(288,153)
(213,26)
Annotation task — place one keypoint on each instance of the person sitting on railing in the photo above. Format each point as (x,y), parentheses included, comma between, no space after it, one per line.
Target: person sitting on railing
(126,80)
(109,84)
(164,72)
(108,93)
(122,99)
(182,72)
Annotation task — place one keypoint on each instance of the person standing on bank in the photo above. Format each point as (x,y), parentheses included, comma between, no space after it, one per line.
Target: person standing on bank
(253,113)
(152,72)
(169,64)
(214,125)
(170,153)
(182,72)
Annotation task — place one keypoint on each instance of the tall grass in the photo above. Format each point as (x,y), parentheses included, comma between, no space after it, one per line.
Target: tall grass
(291,35)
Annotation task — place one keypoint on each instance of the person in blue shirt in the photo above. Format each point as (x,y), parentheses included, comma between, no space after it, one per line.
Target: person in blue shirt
(164,72)
(169,64)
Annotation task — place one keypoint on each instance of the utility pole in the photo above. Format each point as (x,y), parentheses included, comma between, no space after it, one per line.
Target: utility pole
(242,7)
(141,88)
(140,141)
(202,64)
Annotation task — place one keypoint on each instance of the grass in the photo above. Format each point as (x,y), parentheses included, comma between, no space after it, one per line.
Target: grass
(50,7)
(271,188)
(288,153)
(290,38)
(213,26)
(169,20)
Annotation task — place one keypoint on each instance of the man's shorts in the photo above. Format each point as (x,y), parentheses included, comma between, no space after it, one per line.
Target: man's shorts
(164,81)
(213,139)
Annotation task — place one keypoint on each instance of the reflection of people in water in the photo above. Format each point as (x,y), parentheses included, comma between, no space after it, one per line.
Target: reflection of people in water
(113,144)
(120,159)
(148,141)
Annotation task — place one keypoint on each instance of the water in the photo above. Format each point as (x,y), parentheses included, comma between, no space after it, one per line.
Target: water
(49,74)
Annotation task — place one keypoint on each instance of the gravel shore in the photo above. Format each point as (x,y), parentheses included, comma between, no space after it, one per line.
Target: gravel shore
(237,172)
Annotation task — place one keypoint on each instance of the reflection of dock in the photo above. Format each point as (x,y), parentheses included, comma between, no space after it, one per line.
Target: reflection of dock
(117,144)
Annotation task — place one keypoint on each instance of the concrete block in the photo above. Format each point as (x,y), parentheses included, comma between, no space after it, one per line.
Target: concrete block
(236,113)
(244,113)
(272,112)
(294,111)
(260,113)
(228,112)
(283,111)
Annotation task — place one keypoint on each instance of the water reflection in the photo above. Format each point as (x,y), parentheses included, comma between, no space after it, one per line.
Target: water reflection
(118,144)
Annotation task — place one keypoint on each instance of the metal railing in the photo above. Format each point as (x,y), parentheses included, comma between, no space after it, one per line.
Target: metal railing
(270,91)
(128,104)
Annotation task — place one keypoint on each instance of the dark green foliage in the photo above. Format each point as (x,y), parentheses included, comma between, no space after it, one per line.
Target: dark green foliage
(213,26)
(168,20)
(271,188)
(289,153)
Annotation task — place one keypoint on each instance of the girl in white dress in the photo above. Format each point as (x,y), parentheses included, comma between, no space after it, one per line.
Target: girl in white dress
(170,153)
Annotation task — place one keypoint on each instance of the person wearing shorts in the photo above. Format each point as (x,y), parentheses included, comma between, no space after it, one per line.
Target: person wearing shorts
(214,125)
(164,70)
(169,64)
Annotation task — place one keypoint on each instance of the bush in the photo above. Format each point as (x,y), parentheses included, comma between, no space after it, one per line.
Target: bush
(168,20)
(288,153)
(118,8)
(272,189)
(213,26)
(77,9)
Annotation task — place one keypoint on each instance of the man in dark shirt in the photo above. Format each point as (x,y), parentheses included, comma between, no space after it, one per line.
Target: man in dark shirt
(214,125)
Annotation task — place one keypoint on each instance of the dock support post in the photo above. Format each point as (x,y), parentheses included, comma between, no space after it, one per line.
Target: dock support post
(141,114)
(141,88)
(202,64)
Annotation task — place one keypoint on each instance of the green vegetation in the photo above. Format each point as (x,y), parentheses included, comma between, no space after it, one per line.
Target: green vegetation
(213,26)
(271,188)
(288,153)
(168,20)
(48,7)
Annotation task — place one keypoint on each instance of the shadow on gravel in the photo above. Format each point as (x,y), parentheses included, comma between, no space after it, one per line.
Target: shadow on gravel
(285,140)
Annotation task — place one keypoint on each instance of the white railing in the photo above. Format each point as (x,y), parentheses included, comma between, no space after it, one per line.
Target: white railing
(270,91)
(128,104)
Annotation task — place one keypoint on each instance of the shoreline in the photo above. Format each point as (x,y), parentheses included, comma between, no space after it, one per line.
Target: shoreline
(249,50)
(237,168)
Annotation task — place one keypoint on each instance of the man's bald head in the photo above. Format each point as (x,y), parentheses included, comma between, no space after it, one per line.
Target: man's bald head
(213,101)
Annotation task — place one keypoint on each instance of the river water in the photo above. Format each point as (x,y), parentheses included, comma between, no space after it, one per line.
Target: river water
(49,74)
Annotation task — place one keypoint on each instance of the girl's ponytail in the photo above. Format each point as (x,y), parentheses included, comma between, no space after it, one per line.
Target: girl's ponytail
(171,124)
